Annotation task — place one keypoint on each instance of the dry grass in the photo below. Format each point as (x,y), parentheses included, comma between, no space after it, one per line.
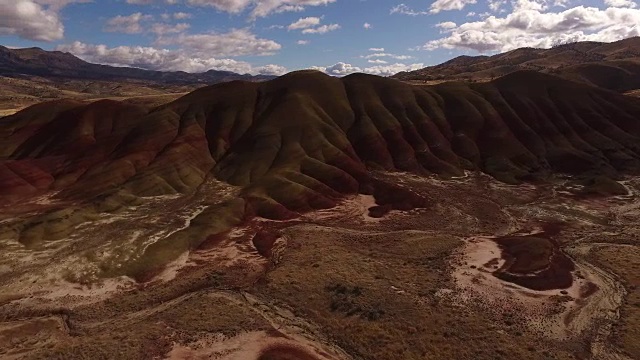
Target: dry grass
(19,93)
(376,296)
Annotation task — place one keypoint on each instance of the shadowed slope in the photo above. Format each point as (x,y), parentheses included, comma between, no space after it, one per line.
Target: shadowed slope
(296,143)
(614,66)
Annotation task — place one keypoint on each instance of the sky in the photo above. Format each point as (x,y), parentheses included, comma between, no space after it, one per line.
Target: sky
(273,37)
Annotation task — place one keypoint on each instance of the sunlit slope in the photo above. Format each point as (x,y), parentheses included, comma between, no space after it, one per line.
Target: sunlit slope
(300,141)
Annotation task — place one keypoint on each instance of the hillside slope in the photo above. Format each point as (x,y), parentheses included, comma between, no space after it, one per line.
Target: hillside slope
(56,64)
(615,66)
(300,146)
(32,75)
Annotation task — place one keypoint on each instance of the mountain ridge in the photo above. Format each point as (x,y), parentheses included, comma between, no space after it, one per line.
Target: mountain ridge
(39,62)
(588,62)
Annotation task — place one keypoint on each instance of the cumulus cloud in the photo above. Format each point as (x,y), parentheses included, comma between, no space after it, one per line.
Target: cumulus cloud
(237,42)
(182,16)
(376,49)
(391,69)
(436,7)
(232,6)
(405,10)
(445,5)
(140,2)
(270,69)
(33,20)
(531,24)
(311,25)
(376,61)
(342,69)
(162,59)
(129,24)
(259,8)
(447,25)
(302,42)
(621,3)
(321,29)
(367,26)
(304,23)
(496,5)
(188,52)
(161,28)
(383,54)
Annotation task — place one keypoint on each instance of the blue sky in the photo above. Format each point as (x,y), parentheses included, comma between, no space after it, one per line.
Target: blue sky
(275,36)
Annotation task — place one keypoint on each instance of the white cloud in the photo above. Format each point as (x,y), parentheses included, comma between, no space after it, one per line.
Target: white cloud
(302,42)
(182,16)
(405,10)
(237,42)
(376,61)
(447,25)
(391,69)
(436,7)
(321,29)
(139,2)
(304,23)
(310,25)
(367,26)
(496,5)
(259,8)
(265,7)
(445,5)
(621,3)
(271,69)
(231,6)
(31,20)
(530,25)
(383,54)
(162,59)
(342,69)
(160,28)
(129,24)
(376,49)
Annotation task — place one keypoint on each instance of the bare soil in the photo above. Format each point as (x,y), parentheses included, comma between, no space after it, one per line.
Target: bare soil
(414,283)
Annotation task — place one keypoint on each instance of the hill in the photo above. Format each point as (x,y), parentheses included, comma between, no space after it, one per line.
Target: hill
(38,62)
(298,142)
(32,75)
(614,66)
(310,216)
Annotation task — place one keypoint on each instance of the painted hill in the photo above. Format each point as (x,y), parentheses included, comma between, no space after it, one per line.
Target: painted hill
(304,140)
(615,66)
(320,140)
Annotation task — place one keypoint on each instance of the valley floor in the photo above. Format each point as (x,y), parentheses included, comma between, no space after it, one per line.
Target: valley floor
(432,283)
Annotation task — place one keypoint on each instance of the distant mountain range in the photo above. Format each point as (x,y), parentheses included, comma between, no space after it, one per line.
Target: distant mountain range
(38,62)
(29,76)
(615,66)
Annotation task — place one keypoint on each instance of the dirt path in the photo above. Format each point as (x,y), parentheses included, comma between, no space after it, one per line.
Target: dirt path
(293,336)
(560,314)
(602,309)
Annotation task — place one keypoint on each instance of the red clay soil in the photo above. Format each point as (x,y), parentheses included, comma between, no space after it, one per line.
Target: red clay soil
(286,352)
(263,240)
(535,262)
(213,240)
(393,197)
